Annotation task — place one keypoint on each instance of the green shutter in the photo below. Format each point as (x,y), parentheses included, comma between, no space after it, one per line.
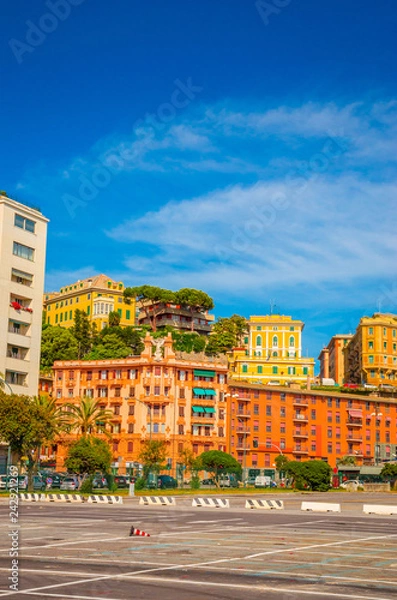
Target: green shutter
(209,409)
(197,409)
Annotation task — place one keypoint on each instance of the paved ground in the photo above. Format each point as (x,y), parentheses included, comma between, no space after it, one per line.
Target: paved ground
(84,551)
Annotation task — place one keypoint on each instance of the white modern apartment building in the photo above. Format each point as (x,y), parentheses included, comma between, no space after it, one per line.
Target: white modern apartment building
(23,234)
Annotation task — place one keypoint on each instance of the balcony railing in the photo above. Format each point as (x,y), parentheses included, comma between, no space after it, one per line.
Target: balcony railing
(300,450)
(244,414)
(300,402)
(244,430)
(300,417)
(301,434)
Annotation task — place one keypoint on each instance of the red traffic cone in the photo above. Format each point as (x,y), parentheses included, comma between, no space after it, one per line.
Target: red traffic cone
(135,531)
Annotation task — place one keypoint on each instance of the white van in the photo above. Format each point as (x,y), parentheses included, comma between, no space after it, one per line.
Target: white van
(262,481)
(228,481)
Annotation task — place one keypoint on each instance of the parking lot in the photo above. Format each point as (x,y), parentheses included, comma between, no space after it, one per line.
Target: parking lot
(85,551)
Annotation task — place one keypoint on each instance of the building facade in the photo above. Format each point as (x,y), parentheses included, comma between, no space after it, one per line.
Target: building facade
(23,236)
(272,353)
(160,395)
(264,422)
(332,358)
(371,355)
(96,296)
(176,316)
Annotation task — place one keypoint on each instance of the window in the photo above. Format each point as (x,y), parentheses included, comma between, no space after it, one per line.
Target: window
(282,411)
(256,409)
(130,427)
(274,370)
(128,314)
(157,390)
(371,359)
(23,223)
(23,251)
(292,341)
(305,371)
(116,410)
(370,331)
(282,427)
(291,370)
(259,369)
(244,368)
(22,278)
(131,409)
(370,345)
(268,411)
(275,341)
(259,340)
(181,430)
(313,414)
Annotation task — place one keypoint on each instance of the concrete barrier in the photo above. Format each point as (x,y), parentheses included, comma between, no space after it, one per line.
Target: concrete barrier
(380,509)
(29,497)
(157,500)
(55,497)
(101,499)
(211,502)
(376,487)
(321,506)
(265,504)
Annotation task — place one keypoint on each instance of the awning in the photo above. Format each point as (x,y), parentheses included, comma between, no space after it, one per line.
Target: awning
(209,409)
(203,392)
(22,274)
(197,409)
(201,373)
(355,413)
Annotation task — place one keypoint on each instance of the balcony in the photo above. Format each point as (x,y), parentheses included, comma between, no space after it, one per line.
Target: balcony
(242,447)
(243,399)
(243,430)
(243,415)
(301,418)
(300,450)
(354,422)
(353,437)
(300,433)
(300,401)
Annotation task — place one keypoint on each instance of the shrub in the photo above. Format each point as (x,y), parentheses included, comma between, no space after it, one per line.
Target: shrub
(140,483)
(195,483)
(86,486)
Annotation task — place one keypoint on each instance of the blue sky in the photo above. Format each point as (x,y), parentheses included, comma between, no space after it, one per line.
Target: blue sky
(249,152)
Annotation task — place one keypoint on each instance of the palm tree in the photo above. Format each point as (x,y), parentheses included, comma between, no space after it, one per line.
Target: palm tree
(88,416)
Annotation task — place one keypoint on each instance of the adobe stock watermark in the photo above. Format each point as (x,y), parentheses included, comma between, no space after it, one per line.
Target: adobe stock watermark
(93,183)
(269,8)
(37,33)
(264,215)
(13,534)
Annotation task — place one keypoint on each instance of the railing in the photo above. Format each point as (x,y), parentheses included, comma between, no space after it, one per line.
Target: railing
(243,430)
(300,450)
(246,413)
(299,433)
(300,401)
(300,417)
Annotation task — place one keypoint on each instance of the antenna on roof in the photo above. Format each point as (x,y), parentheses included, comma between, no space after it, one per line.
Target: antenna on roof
(272,306)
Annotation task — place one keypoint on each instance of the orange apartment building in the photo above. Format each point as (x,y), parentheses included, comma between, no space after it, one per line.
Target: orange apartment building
(371,355)
(159,395)
(264,421)
(332,359)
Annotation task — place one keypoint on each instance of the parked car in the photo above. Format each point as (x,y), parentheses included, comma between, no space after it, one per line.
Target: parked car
(352,484)
(3,482)
(121,481)
(250,481)
(166,481)
(262,481)
(70,483)
(207,482)
(228,480)
(99,481)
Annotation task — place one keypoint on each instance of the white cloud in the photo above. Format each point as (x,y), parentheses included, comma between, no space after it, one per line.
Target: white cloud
(249,238)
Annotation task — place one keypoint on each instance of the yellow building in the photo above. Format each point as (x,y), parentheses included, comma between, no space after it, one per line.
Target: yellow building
(272,353)
(97,296)
(371,355)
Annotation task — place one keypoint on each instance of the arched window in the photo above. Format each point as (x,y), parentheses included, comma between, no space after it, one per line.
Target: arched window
(292,341)
(259,340)
(275,340)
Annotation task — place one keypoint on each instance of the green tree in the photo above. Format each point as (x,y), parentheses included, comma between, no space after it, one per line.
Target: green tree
(82,331)
(227,333)
(88,417)
(389,471)
(281,462)
(196,301)
(114,319)
(217,463)
(153,455)
(188,342)
(346,460)
(57,343)
(88,455)
(314,474)
(147,296)
(28,423)
(130,336)
(111,346)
